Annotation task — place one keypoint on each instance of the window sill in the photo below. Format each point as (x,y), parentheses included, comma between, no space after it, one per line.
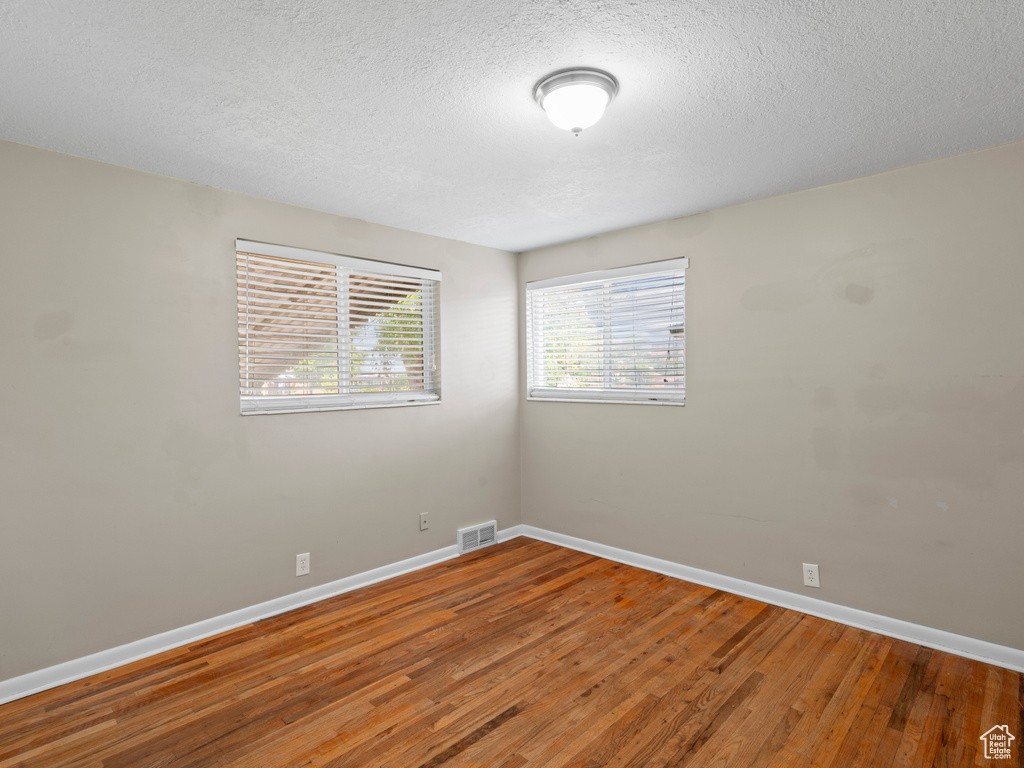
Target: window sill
(354,407)
(602,400)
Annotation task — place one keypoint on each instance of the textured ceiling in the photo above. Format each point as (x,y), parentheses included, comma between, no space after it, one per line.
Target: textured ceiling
(420,114)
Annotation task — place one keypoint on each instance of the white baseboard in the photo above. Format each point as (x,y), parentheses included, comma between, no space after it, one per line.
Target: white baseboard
(510,533)
(972,648)
(76,669)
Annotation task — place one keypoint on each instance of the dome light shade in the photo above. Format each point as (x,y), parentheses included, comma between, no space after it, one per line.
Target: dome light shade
(575,99)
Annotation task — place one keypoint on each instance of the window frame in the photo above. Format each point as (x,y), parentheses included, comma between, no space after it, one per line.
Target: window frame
(534,392)
(251,405)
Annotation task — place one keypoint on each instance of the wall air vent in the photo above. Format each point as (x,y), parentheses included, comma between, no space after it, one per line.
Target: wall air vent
(477,536)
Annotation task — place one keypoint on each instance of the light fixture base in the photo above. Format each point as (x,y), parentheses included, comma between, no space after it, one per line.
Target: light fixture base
(564,77)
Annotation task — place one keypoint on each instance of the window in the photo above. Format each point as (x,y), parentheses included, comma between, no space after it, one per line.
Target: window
(610,337)
(322,332)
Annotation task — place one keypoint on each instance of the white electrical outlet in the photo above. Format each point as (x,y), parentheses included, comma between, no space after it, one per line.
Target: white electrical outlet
(423,521)
(302,564)
(811,575)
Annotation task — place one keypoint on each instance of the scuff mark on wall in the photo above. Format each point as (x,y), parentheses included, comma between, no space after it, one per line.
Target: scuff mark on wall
(206,203)
(53,325)
(853,276)
(858,294)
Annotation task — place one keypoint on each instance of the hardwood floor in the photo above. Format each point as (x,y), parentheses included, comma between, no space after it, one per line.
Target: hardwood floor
(527,654)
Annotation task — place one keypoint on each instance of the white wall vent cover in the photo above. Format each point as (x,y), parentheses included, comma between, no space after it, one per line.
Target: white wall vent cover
(477,536)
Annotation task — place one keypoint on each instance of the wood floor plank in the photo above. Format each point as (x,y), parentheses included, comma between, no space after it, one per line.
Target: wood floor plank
(867,724)
(526,655)
(698,664)
(770,716)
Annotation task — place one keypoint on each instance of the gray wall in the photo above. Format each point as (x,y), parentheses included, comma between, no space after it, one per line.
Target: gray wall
(855,398)
(135,499)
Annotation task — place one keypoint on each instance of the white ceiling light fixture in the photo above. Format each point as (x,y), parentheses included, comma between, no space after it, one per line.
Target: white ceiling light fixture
(575,99)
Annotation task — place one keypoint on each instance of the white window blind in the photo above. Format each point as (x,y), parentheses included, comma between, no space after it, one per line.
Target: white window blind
(318,331)
(613,336)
